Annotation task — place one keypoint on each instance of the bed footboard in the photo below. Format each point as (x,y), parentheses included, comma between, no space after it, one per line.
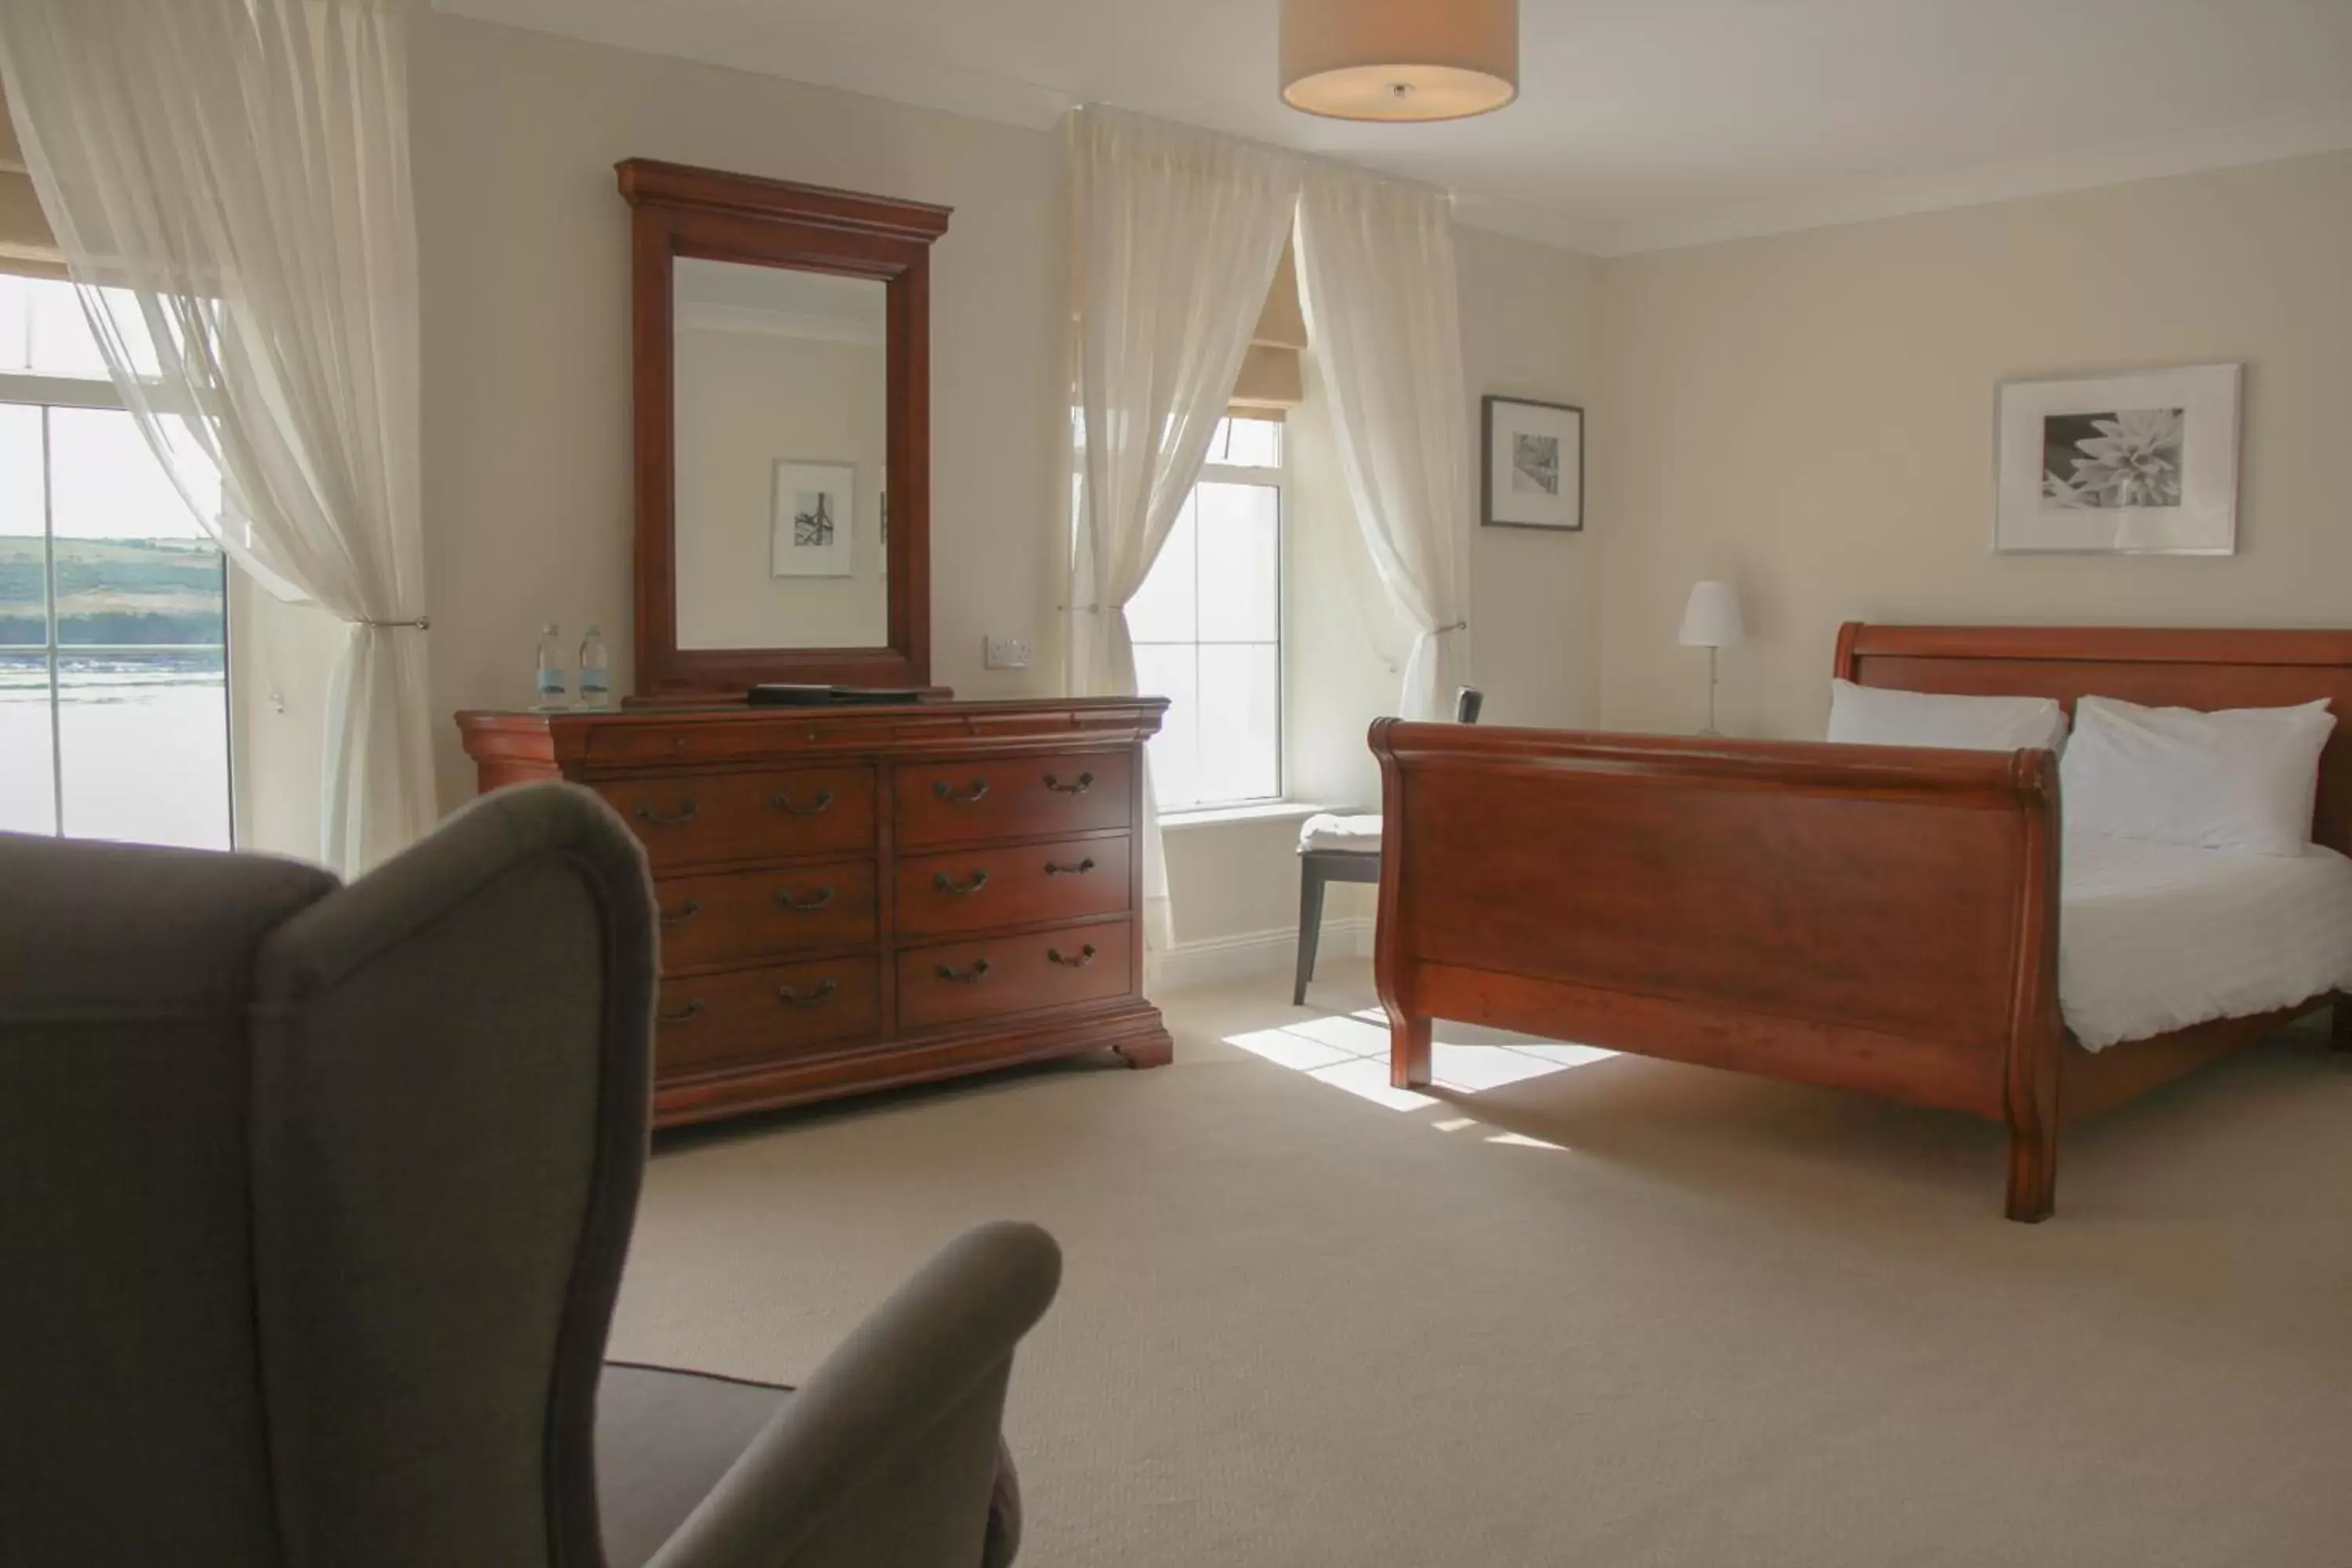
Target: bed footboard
(1871,917)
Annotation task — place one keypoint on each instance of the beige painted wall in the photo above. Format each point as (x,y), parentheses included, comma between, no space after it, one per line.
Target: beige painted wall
(524,255)
(1530,328)
(745,400)
(1811,416)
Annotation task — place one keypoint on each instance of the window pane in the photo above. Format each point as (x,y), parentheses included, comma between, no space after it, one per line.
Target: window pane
(28,803)
(24,613)
(144,745)
(43,329)
(1253,443)
(1241,722)
(1241,562)
(1163,610)
(1174,752)
(132,564)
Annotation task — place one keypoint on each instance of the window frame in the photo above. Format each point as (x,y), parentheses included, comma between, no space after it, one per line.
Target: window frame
(47,392)
(1275,477)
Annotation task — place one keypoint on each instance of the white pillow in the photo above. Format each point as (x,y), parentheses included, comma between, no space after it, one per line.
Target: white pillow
(2244,778)
(1875,716)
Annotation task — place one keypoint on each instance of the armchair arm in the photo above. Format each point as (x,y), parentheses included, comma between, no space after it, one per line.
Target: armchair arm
(887,1456)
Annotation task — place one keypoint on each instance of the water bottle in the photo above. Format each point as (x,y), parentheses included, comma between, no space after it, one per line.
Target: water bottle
(550,683)
(595,674)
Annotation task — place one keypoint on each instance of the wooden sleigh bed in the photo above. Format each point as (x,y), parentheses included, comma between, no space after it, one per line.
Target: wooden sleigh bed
(1872,917)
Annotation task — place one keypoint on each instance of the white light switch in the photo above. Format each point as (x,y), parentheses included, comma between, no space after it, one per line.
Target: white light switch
(1006,653)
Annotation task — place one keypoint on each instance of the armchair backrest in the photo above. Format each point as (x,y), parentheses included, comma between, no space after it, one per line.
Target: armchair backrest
(312,1208)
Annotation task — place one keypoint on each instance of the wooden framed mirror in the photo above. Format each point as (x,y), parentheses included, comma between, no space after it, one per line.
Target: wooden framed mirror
(782,389)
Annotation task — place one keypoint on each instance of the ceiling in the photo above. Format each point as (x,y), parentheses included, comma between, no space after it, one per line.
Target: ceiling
(1641,124)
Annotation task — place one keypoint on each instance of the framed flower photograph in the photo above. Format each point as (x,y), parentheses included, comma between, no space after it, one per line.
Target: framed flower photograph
(1532,473)
(2125,465)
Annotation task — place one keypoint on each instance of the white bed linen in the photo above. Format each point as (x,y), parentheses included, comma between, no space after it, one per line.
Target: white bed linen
(2159,936)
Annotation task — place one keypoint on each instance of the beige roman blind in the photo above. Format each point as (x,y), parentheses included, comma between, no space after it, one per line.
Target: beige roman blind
(1271,381)
(27,246)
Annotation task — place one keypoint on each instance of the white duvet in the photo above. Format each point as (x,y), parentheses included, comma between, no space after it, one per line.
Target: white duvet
(2159,936)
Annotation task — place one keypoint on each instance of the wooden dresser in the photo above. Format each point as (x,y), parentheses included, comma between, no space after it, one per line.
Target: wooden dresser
(857,897)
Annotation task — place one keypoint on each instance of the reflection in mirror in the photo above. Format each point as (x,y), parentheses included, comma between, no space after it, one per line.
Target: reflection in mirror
(783,432)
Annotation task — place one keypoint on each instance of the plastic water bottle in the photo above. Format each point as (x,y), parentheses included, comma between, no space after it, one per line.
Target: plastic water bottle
(549,682)
(595,672)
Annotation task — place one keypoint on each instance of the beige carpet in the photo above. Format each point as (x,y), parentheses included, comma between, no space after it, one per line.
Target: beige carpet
(1608,1312)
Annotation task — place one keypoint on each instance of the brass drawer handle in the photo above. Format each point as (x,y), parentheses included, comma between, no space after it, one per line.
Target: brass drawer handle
(686,814)
(1084,782)
(686,911)
(972,976)
(785,900)
(1080,869)
(947,884)
(691,1009)
(965,796)
(783,802)
(821,995)
(1086,956)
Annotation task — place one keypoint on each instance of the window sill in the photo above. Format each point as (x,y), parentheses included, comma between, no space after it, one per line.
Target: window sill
(1256,811)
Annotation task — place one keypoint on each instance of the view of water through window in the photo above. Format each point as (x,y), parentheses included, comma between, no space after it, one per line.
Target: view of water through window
(113,667)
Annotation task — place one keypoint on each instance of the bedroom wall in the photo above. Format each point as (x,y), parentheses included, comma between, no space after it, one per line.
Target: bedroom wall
(524,261)
(1811,416)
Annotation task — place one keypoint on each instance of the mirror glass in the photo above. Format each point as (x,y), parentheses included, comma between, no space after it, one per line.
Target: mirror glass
(782,430)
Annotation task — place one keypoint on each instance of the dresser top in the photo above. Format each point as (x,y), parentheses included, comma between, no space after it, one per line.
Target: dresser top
(704,733)
(736,712)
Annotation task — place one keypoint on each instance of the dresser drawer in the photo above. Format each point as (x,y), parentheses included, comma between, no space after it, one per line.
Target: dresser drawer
(709,819)
(730,916)
(1013,797)
(1012,975)
(980,890)
(749,1014)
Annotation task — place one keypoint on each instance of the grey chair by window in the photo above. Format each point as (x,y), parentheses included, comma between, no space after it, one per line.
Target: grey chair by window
(313,1203)
(1334,848)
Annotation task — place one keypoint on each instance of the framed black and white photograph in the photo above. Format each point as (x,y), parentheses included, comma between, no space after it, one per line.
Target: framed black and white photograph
(1532,469)
(812,531)
(2130,465)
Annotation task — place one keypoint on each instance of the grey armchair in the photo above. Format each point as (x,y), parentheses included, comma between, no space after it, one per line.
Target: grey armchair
(313,1204)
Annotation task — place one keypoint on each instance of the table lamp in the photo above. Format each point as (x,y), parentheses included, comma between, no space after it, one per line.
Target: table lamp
(1711,621)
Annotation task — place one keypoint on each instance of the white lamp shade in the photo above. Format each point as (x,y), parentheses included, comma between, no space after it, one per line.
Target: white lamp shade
(1399,59)
(1711,619)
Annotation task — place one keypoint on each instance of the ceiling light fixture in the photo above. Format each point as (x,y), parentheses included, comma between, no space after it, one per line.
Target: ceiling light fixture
(1399,59)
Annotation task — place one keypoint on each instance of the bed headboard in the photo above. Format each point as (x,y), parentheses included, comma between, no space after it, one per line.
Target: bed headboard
(2155,666)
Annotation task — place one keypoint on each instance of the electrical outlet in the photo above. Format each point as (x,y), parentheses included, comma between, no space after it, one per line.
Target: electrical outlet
(1006,653)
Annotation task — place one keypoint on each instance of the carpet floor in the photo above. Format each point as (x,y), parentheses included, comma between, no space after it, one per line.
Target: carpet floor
(1573,1308)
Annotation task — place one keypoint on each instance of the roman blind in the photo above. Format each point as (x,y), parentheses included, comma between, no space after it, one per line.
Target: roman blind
(1271,380)
(27,246)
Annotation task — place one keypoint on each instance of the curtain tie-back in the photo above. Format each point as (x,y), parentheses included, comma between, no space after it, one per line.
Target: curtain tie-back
(422,623)
(1456,627)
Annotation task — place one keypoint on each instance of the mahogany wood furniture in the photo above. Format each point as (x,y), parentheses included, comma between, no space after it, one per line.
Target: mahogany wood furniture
(686,212)
(852,898)
(1875,918)
(1318,868)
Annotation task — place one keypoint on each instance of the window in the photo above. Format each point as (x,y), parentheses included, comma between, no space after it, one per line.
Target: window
(1207,627)
(114,642)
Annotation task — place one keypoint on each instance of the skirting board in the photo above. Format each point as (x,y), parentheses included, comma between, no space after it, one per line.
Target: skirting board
(1222,959)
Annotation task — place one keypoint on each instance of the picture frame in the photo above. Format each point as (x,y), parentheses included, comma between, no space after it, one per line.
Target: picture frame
(1531,466)
(813,519)
(2137,464)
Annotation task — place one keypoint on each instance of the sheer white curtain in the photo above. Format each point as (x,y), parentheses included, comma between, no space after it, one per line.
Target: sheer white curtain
(1376,272)
(1173,241)
(228,180)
